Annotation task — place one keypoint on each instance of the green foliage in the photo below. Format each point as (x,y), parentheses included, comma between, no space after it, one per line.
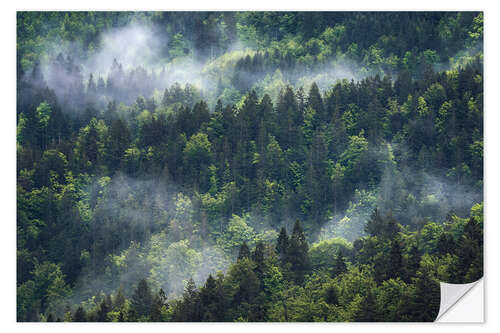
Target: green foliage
(142,300)
(281,116)
(198,149)
(237,232)
(45,292)
(323,254)
(43,112)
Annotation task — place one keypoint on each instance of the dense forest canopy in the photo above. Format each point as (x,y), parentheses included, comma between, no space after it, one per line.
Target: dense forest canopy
(247,166)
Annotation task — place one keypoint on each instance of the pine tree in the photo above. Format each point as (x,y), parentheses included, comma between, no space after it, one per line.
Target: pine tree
(91,88)
(282,244)
(339,265)
(298,253)
(102,312)
(286,124)
(244,251)
(413,265)
(258,257)
(191,305)
(396,260)
(470,253)
(208,297)
(315,101)
(142,299)
(159,302)
(375,224)
(425,301)
(368,310)
(80,315)
(446,244)
(119,300)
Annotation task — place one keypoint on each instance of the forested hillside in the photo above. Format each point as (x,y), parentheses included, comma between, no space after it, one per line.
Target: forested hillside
(247,166)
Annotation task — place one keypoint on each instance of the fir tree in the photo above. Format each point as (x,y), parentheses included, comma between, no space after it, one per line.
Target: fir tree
(282,244)
(298,253)
(339,265)
(80,315)
(142,299)
(244,251)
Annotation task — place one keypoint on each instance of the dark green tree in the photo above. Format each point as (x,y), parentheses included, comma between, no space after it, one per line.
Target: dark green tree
(298,256)
(396,260)
(80,315)
(244,251)
(159,302)
(282,244)
(339,265)
(142,299)
(368,309)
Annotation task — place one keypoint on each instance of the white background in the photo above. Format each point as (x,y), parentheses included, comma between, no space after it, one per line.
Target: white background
(8,159)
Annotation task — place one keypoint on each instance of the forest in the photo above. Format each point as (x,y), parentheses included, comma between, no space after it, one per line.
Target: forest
(247,166)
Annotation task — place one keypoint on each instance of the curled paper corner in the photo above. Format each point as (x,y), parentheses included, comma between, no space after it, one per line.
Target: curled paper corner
(455,304)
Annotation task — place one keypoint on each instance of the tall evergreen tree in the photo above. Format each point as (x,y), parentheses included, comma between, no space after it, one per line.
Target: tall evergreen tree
(159,302)
(142,299)
(339,265)
(282,244)
(368,310)
(80,315)
(244,251)
(396,260)
(298,253)
(413,265)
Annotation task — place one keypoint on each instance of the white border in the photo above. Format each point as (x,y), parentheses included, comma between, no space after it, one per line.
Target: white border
(7,132)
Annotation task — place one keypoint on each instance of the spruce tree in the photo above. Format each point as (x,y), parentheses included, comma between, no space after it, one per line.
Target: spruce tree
(208,298)
(244,251)
(413,265)
(425,301)
(396,260)
(282,244)
(446,244)
(298,253)
(258,257)
(102,312)
(368,310)
(315,101)
(142,299)
(80,315)
(339,265)
(159,301)
(375,223)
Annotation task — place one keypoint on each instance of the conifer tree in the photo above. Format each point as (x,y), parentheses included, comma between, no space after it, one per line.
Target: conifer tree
(80,315)
(142,299)
(282,244)
(298,253)
(425,301)
(339,265)
(208,298)
(446,243)
(368,310)
(159,302)
(244,251)
(258,257)
(315,101)
(396,260)
(102,312)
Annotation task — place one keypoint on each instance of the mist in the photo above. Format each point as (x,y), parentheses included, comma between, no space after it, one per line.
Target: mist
(154,231)
(136,55)
(412,196)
